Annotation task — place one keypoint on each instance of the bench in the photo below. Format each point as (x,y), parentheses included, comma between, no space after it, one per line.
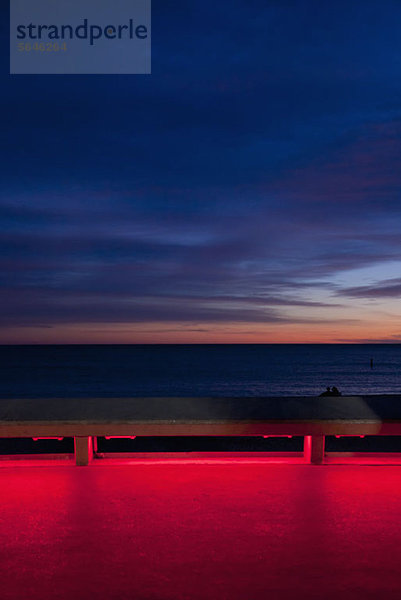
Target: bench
(313,418)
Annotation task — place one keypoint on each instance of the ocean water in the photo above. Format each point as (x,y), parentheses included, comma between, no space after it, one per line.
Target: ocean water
(198,370)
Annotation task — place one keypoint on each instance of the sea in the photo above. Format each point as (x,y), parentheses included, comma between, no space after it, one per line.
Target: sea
(198,370)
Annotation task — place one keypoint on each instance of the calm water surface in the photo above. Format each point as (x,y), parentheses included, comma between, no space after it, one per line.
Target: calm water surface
(198,370)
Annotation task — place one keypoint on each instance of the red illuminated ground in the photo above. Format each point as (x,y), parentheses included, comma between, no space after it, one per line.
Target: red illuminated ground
(192,531)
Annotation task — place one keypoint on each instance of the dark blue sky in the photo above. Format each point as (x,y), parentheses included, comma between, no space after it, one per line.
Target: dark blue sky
(247,190)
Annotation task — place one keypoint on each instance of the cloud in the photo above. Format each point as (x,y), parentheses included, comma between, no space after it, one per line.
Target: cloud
(21,307)
(394,339)
(388,288)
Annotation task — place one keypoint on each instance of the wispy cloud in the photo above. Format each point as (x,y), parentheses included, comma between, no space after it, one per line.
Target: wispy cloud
(388,288)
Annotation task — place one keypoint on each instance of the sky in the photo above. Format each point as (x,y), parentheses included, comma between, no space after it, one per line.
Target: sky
(247,191)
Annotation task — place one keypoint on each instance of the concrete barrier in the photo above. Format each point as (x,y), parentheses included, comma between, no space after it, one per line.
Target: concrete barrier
(312,418)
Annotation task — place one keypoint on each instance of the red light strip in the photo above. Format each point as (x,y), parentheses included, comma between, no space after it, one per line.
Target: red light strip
(341,436)
(119,437)
(276,436)
(47,438)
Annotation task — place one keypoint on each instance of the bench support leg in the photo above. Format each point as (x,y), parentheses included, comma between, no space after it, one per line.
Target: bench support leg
(83,450)
(314,449)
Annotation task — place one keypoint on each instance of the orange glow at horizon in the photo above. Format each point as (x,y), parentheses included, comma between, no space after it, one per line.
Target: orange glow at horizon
(179,333)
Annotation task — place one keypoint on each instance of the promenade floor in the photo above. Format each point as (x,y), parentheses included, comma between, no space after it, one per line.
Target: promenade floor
(234,529)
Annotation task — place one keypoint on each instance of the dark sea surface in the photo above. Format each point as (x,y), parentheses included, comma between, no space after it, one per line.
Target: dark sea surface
(198,370)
